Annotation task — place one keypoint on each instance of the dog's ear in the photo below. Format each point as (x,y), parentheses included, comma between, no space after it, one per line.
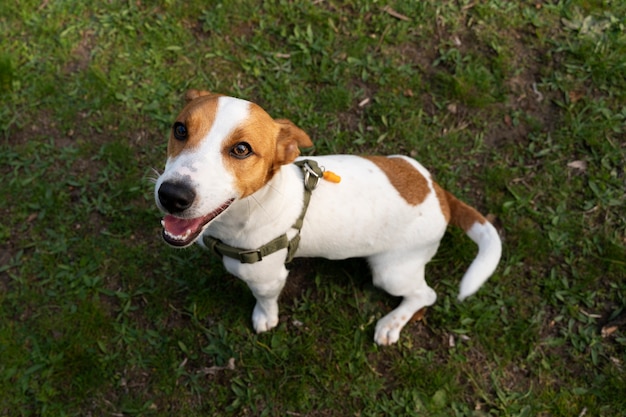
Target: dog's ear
(290,130)
(194,94)
(290,139)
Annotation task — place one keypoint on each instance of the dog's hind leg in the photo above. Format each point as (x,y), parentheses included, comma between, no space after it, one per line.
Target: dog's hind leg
(401,275)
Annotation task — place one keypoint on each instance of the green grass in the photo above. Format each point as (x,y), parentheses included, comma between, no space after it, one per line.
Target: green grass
(517,107)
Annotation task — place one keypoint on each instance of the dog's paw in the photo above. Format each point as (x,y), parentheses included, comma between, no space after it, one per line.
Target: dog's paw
(262,320)
(388,330)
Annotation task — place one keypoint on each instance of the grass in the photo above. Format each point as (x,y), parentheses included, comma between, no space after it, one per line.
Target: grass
(517,107)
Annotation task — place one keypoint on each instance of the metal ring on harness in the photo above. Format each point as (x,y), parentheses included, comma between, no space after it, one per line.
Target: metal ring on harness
(308,171)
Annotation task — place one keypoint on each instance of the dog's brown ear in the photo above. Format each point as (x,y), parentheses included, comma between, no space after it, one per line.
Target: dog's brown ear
(290,139)
(287,128)
(194,94)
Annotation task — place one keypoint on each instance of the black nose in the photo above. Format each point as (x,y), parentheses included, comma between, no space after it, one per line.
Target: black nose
(175,196)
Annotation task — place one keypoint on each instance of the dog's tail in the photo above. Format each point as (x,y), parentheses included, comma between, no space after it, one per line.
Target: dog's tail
(484,235)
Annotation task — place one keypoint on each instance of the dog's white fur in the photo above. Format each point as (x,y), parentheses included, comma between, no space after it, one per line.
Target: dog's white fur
(258,197)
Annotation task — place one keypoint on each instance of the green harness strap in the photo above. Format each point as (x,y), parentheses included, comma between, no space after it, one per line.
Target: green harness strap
(312,174)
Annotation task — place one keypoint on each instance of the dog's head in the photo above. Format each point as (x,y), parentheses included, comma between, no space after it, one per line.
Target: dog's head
(220,149)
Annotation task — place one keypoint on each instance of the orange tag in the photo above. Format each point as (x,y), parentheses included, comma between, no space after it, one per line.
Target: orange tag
(332,177)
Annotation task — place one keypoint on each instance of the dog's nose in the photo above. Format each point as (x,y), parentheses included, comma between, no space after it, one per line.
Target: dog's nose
(176,197)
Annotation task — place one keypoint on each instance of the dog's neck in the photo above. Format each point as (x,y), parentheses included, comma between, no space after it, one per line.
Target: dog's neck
(273,208)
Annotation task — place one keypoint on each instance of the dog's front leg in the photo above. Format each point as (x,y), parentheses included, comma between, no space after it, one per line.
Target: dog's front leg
(266,280)
(265,314)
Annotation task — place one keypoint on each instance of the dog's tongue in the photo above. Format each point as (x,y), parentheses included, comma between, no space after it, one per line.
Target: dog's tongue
(179,227)
(182,232)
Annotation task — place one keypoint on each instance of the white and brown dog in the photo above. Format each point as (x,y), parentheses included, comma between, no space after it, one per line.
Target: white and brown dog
(233,178)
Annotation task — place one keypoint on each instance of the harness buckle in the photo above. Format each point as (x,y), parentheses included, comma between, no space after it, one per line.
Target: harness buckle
(311,183)
(250,256)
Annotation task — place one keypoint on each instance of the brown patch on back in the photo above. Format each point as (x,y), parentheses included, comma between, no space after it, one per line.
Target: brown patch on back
(461,214)
(198,116)
(409,182)
(443,201)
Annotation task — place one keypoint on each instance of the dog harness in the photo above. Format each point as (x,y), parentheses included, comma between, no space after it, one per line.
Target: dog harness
(312,175)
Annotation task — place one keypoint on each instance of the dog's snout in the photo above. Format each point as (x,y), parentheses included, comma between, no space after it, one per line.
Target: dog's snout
(176,197)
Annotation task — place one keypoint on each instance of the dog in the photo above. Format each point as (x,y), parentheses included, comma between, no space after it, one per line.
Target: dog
(234,182)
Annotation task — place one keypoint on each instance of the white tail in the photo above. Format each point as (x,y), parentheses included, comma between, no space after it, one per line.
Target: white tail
(489,252)
(486,237)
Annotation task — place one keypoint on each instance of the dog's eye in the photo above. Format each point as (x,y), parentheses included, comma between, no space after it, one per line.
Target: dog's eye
(180,131)
(241,150)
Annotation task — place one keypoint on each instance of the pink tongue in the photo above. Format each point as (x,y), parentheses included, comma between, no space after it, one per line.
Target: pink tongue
(178,227)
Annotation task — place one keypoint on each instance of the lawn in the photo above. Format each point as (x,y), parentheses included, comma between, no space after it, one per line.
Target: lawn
(517,107)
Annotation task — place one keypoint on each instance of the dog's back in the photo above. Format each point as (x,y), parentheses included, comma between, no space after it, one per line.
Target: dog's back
(366,213)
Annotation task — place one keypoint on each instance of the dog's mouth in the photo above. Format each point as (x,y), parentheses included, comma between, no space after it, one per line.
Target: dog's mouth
(183,232)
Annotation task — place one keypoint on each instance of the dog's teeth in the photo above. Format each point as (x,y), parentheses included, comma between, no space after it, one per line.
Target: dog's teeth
(180,238)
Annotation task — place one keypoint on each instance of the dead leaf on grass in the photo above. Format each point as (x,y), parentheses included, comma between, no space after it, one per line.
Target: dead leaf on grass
(608,330)
(579,165)
(395,14)
(575,96)
(590,315)
(419,315)
(215,369)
